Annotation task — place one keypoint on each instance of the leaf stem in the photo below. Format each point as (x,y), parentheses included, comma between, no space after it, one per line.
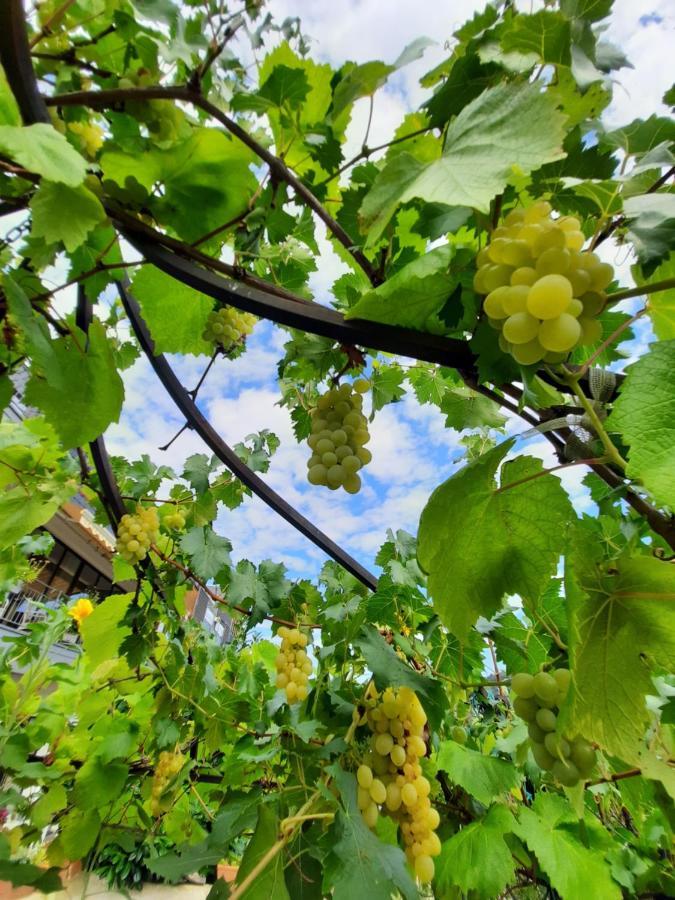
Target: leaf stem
(641,290)
(610,340)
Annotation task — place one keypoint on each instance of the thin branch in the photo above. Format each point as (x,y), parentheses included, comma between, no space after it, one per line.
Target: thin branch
(367,152)
(218,598)
(610,340)
(52,20)
(103,99)
(641,290)
(567,465)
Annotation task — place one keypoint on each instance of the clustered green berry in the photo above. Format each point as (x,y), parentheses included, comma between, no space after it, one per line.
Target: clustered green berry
(227,326)
(175,520)
(538,701)
(136,532)
(168,766)
(544,292)
(339,432)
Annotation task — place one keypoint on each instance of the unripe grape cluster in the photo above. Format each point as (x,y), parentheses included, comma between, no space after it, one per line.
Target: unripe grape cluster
(538,701)
(390,777)
(175,520)
(168,766)
(544,292)
(90,135)
(293,664)
(339,432)
(136,532)
(227,326)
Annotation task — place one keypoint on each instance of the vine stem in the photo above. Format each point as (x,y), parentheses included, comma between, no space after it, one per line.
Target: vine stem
(577,462)
(641,290)
(612,453)
(617,776)
(557,640)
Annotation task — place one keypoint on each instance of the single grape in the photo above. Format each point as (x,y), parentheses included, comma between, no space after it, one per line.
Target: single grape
(546,719)
(424,868)
(560,334)
(601,276)
(593,302)
(542,757)
(493,303)
(545,686)
(536,733)
(458,734)
(520,328)
(528,354)
(317,475)
(526,275)
(556,745)
(549,296)
(364,776)
(514,299)
(552,237)
(522,684)
(516,253)
(497,248)
(539,210)
(553,261)
(515,217)
(591,331)
(568,223)
(563,678)
(496,276)
(526,709)
(583,756)
(565,772)
(575,308)
(580,281)
(575,240)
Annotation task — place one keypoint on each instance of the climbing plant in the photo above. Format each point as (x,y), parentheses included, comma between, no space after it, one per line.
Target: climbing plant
(492,711)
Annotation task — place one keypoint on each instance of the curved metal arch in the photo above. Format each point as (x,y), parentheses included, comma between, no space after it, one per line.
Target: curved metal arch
(16,61)
(310,317)
(224,452)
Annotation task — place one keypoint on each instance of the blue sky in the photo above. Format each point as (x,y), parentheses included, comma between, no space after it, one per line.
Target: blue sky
(412,451)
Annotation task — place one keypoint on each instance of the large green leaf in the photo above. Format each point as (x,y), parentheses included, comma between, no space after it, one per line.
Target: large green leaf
(43,150)
(208,552)
(644,415)
(569,852)
(414,293)
(477,858)
(102,631)
(98,783)
(65,214)
(623,632)
(175,313)
(661,304)
(358,859)
(464,408)
(389,669)
(652,224)
(508,130)
(546,34)
(484,777)
(269,884)
(493,539)
(79,390)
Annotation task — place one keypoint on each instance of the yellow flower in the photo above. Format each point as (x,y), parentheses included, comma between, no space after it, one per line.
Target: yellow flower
(81,610)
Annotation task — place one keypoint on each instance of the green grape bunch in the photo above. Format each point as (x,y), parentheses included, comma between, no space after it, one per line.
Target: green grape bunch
(390,778)
(543,291)
(339,433)
(226,327)
(174,519)
(168,766)
(293,664)
(538,701)
(136,532)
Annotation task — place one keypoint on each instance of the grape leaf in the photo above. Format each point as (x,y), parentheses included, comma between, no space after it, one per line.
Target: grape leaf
(64,214)
(652,224)
(494,540)
(477,858)
(102,632)
(464,408)
(265,588)
(484,777)
(660,304)
(644,415)
(175,313)
(389,669)
(79,831)
(358,858)
(414,293)
(623,621)
(43,150)
(641,135)
(208,552)
(285,85)
(546,33)
(570,853)
(98,783)
(508,129)
(79,390)
(268,884)
(386,384)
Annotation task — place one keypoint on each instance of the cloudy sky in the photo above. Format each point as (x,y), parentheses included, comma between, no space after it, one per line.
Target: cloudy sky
(412,451)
